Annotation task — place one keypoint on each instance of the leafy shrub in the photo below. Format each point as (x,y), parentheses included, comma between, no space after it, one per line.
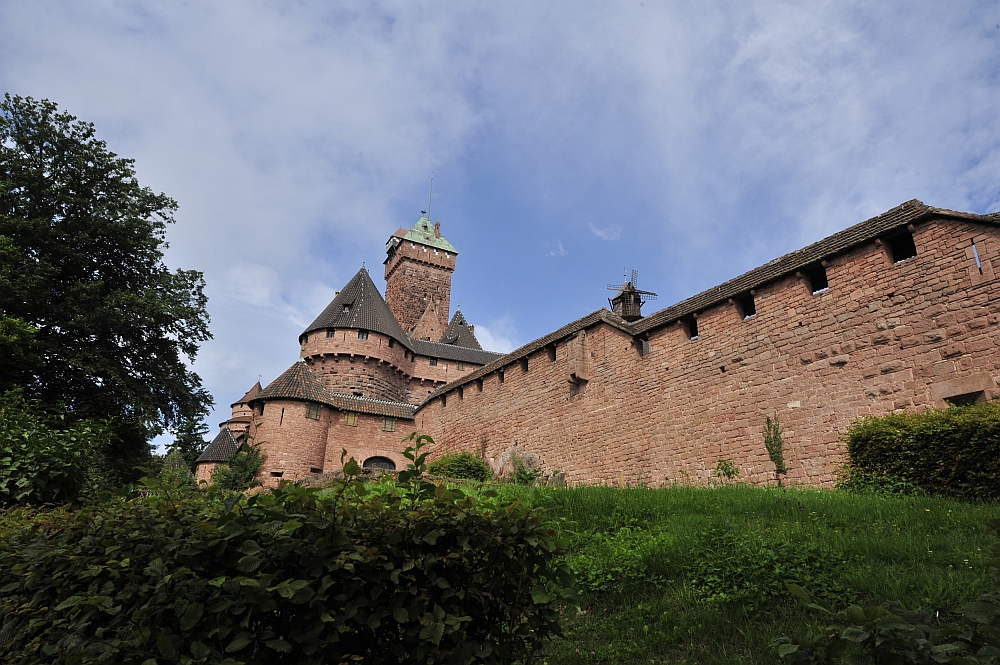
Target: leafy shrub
(421,574)
(775,444)
(726,468)
(240,474)
(460,465)
(950,452)
(887,633)
(41,460)
(523,473)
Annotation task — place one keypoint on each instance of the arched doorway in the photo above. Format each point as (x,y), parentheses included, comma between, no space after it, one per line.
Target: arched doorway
(381,463)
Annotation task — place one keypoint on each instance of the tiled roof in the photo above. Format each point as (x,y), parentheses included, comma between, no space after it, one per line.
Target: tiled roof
(299,382)
(253,392)
(359,305)
(900,216)
(222,448)
(458,333)
(423,232)
(463,354)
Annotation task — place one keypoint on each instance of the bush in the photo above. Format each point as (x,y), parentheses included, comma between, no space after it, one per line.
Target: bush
(240,474)
(949,452)
(460,465)
(41,459)
(418,574)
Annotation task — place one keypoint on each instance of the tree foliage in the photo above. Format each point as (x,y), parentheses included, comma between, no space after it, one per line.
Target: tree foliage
(81,249)
(418,574)
(240,474)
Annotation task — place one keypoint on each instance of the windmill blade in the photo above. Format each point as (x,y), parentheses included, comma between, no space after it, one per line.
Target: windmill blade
(647,293)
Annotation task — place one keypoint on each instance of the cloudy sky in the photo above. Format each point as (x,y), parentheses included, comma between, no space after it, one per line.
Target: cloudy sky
(690,141)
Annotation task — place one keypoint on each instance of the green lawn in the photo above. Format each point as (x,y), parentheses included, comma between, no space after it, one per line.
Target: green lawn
(697,575)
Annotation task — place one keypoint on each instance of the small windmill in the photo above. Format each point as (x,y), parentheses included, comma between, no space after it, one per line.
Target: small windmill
(628,303)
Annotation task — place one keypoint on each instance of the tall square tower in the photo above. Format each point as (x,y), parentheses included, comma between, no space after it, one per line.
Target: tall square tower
(418,269)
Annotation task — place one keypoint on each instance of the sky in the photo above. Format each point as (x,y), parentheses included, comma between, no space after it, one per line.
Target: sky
(568,141)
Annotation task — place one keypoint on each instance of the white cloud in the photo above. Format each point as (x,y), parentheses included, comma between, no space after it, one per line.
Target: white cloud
(607,233)
(499,336)
(558,251)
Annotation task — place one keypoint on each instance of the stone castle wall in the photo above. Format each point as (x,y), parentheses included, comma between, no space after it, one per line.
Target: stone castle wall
(883,336)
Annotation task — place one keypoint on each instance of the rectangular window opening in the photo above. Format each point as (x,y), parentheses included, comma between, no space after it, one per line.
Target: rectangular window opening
(312,411)
(460,366)
(479,384)
(500,375)
(643,348)
(975,253)
(816,276)
(746,306)
(552,352)
(524,364)
(388,424)
(691,328)
(351,419)
(330,333)
(314,469)
(362,334)
(277,474)
(968,399)
(901,246)
(434,362)
(461,393)
(392,342)
(444,401)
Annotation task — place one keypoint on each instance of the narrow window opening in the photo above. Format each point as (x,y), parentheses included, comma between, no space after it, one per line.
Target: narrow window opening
(460,366)
(434,362)
(388,424)
(816,277)
(975,252)
(330,333)
(644,347)
(347,308)
(358,393)
(524,364)
(312,411)
(500,375)
(392,342)
(362,334)
(901,247)
(723,368)
(281,418)
(479,384)
(314,469)
(461,393)
(968,399)
(746,306)
(552,352)
(277,474)
(444,401)
(691,328)
(351,419)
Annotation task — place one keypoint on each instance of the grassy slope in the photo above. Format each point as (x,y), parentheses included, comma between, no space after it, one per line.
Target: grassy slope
(696,575)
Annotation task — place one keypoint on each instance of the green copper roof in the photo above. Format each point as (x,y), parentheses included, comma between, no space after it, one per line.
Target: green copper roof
(423,232)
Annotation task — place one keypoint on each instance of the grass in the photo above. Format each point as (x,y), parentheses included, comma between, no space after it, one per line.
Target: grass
(689,575)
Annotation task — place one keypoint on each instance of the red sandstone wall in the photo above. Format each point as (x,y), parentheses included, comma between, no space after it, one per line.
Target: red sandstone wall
(415,276)
(365,440)
(883,337)
(346,364)
(292,444)
(203,473)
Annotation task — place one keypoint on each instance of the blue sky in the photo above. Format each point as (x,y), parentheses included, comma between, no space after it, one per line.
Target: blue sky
(688,141)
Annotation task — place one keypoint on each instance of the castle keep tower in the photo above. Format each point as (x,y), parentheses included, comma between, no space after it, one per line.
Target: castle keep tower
(418,269)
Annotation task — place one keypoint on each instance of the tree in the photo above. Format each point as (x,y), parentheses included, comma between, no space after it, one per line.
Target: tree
(189,442)
(82,266)
(241,472)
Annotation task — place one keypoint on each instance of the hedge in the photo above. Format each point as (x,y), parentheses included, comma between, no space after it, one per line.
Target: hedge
(465,466)
(949,452)
(413,574)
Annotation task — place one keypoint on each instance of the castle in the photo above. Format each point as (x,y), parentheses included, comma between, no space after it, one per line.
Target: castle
(897,312)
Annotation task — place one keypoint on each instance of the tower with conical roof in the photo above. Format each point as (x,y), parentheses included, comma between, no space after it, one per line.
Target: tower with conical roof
(418,268)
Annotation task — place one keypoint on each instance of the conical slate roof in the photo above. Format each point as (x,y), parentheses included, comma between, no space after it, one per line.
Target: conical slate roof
(297,382)
(253,392)
(222,448)
(360,306)
(459,333)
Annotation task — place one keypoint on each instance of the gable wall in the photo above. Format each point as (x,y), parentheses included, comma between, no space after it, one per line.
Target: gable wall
(884,336)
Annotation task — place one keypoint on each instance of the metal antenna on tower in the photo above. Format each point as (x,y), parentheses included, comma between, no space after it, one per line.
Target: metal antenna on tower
(430,196)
